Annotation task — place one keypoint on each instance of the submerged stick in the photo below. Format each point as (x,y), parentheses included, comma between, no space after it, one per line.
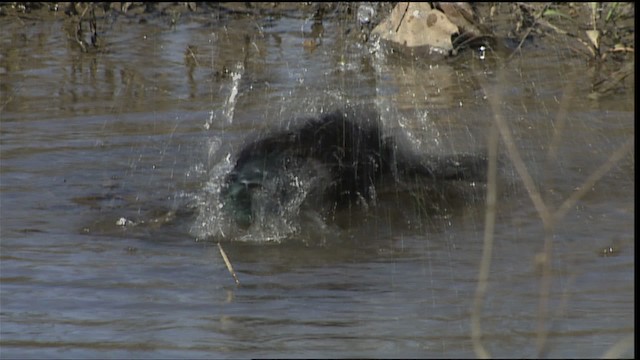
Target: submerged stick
(228,263)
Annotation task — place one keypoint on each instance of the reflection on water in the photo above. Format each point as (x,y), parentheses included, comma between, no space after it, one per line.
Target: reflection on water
(88,139)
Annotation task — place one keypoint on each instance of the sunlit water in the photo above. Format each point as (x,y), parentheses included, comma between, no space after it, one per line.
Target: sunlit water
(111,161)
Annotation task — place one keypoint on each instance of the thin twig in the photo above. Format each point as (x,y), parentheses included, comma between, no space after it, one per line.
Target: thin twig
(402,18)
(620,349)
(487,248)
(593,178)
(535,21)
(545,292)
(534,194)
(228,263)
(516,159)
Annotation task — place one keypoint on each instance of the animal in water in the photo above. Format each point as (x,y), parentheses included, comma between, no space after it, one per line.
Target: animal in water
(335,160)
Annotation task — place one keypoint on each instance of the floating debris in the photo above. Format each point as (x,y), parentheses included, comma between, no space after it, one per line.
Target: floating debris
(228,264)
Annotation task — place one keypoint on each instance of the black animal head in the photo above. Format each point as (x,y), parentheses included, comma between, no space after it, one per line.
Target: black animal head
(332,157)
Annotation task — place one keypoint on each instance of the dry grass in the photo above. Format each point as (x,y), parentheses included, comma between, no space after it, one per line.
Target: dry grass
(549,216)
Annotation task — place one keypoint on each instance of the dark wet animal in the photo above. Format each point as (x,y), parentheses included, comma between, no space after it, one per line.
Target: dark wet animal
(336,160)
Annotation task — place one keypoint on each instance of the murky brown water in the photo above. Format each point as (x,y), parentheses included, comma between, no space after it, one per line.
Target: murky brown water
(134,132)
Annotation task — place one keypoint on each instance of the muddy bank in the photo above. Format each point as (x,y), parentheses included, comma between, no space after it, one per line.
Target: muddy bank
(602,34)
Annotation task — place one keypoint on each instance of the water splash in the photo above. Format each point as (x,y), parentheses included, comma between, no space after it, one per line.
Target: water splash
(230,104)
(209,121)
(210,221)
(279,209)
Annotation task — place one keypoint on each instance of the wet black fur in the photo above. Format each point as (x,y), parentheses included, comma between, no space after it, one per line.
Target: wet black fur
(353,153)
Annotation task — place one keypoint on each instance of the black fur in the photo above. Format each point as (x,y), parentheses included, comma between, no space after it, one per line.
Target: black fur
(346,157)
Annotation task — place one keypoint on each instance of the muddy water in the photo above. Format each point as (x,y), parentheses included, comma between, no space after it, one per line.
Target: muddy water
(104,154)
